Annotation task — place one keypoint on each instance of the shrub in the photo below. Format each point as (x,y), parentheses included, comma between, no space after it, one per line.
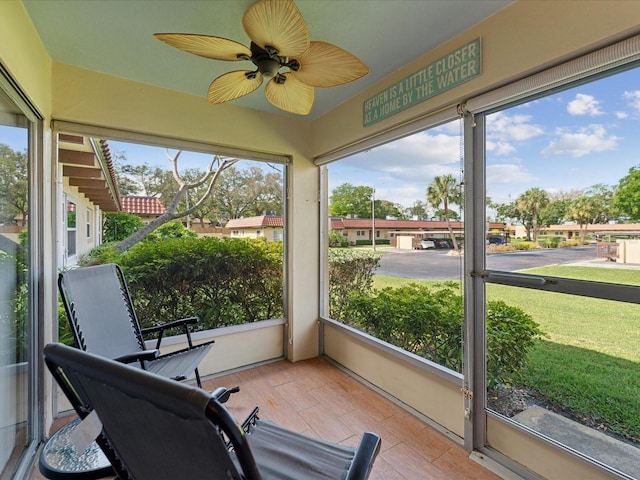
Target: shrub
(105,253)
(119,225)
(415,318)
(170,230)
(429,323)
(222,281)
(14,309)
(524,245)
(379,241)
(349,271)
(550,241)
(498,248)
(336,239)
(569,243)
(510,336)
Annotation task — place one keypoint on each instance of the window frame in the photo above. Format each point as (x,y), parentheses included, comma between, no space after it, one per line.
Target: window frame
(33,119)
(286,160)
(602,63)
(605,61)
(89,223)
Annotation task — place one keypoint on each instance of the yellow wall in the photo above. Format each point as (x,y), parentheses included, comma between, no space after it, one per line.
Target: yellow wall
(83,244)
(26,60)
(430,395)
(24,55)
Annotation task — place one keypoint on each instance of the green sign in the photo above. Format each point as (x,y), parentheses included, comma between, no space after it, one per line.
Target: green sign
(453,69)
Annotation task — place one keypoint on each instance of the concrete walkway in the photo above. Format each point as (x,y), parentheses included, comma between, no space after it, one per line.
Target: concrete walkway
(604,263)
(588,441)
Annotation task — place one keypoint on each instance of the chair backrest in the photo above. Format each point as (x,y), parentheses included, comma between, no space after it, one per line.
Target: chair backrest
(100,310)
(153,427)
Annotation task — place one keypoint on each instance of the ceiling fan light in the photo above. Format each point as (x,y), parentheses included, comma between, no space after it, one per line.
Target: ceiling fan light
(268,67)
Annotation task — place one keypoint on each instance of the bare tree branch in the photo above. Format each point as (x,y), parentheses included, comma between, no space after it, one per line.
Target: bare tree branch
(216,167)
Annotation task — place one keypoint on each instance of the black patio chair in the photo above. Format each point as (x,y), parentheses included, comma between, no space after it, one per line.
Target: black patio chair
(103,321)
(156,429)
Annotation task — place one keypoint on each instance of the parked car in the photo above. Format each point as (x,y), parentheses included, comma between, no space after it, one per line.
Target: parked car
(427,244)
(497,240)
(444,243)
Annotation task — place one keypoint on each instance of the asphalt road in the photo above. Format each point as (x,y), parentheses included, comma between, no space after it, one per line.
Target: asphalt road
(437,265)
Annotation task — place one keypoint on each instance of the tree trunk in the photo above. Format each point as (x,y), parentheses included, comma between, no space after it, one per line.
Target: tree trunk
(451,235)
(131,240)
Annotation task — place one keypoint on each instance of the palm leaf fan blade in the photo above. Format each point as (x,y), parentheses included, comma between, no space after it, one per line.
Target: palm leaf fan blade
(291,96)
(326,65)
(233,85)
(278,24)
(215,48)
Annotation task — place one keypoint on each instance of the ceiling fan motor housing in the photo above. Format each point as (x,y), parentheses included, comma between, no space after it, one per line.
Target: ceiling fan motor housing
(268,63)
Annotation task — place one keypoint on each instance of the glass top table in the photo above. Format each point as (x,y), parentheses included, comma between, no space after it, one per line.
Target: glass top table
(59,459)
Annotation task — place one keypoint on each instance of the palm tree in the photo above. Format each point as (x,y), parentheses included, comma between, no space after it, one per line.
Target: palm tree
(532,201)
(583,210)
(444,190)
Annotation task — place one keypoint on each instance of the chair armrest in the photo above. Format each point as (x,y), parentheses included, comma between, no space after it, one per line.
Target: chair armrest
(222,394)
(139,356)
(183,322)
(171,324)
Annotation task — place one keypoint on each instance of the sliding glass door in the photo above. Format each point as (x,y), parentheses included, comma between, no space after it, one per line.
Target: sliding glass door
(16,296)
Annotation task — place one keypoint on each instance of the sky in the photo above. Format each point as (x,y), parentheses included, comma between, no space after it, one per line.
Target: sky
(577,138)
(574,139)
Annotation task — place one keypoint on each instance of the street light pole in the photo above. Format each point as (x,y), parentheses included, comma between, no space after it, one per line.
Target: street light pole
(373,219)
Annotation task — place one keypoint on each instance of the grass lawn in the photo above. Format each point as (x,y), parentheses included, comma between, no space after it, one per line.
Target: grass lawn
(589,363)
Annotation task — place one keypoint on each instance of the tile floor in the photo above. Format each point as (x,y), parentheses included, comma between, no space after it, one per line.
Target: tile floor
(316,398)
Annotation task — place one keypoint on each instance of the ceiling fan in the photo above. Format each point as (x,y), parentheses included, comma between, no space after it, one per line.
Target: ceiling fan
(281,51)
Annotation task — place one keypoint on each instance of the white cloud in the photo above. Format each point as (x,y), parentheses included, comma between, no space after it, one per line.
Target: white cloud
(450,128)
(502,127)
(634,99)
(508,173)
(584,105)
(622,115)
(401,170)
(500,148)
(405,195)
(422,148)
(590,139)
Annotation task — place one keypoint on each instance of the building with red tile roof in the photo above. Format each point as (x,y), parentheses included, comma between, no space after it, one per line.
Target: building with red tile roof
(270,227)
(147,208)
(352,228)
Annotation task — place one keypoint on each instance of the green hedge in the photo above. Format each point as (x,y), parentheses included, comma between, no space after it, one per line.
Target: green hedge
(223,281)
(337,239)
(523,244)
(429,322)
(349,271)
(379,241)
(550,241)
